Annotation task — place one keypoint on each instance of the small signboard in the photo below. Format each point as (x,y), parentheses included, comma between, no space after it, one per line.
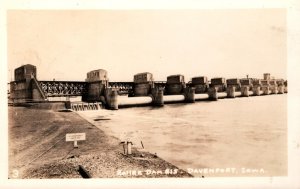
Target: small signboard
(75,137)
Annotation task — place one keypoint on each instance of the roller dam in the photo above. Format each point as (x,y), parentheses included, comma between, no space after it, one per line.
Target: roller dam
(98,92)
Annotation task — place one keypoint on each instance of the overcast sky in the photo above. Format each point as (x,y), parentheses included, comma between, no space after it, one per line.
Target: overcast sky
(65,45)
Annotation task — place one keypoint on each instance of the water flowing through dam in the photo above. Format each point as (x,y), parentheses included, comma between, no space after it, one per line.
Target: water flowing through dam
(238,133)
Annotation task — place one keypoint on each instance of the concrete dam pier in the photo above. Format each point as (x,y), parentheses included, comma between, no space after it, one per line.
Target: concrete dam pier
(97,92)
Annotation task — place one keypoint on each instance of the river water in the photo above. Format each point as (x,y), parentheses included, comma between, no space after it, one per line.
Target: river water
(228,137)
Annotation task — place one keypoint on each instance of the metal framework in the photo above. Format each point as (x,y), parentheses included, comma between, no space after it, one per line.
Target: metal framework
(160,84)
(63,88)
(124,87)
(77,88)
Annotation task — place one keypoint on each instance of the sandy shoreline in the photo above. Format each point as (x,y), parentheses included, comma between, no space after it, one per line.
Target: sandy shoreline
(37,149)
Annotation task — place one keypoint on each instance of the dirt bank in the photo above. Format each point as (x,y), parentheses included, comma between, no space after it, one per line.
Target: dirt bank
(37,149)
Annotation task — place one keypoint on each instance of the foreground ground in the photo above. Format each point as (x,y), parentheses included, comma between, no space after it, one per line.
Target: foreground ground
(37,149)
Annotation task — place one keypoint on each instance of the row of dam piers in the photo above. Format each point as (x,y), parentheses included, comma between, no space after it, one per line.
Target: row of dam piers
(97,92)
(146,91)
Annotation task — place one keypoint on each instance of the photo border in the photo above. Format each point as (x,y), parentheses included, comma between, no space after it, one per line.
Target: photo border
(293,64)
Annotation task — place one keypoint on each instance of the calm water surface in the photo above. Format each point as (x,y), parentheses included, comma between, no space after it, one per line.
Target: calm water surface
(241,133)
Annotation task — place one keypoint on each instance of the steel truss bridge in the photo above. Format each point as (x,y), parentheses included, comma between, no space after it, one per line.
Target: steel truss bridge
(124,87)
(79,88)
(63,88)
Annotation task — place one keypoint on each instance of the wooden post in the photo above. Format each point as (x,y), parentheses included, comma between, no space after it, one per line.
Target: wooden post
(75,144)
(129,144)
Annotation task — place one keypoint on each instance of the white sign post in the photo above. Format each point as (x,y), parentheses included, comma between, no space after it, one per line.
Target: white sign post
(75,137)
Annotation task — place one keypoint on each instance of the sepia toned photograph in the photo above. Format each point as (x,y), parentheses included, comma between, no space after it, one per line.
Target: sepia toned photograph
(147,93)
